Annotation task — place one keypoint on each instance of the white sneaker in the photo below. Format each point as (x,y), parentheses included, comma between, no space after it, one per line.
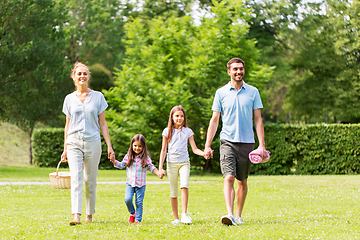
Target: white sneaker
(239,220)
(175,222)
(228,220)
(185,218)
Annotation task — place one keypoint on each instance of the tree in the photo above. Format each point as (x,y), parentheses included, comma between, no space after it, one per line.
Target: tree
(323,89)
(311,93)
(95,32)
(273,25)
(101,78)
(344,17)
(170,61)
(151,9)
(32,83)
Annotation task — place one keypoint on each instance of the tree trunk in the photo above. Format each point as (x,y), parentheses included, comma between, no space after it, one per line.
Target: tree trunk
(207,165)
(30,144)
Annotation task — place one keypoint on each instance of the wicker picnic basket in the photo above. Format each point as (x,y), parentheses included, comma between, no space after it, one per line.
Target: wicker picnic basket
(60,180)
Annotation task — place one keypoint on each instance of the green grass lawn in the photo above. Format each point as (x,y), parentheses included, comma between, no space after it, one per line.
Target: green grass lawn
(36,174)
(277,207)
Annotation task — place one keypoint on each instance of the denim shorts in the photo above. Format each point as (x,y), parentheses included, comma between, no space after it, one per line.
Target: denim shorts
(234,159)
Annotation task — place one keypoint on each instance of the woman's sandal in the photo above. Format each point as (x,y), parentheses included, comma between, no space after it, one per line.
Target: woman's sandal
(74,222)
(88,219)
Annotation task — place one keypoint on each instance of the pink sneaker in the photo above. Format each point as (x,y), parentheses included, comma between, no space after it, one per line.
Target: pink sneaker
(132,218)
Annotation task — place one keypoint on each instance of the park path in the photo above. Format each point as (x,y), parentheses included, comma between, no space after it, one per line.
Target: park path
(115,182)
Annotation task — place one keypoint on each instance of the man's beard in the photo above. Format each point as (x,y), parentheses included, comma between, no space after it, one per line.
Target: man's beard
(238,80)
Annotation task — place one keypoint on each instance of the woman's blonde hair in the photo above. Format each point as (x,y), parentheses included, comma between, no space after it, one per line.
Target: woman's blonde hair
(77,65)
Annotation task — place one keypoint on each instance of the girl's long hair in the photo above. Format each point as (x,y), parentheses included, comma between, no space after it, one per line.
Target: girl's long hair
(171,121)
(131,154)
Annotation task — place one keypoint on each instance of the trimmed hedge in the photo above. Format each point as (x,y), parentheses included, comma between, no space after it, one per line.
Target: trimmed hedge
(328,149)
(48,145)
(311,149)
(295,149)
(283,151)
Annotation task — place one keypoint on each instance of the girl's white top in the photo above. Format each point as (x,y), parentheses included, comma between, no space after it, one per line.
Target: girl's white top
(84,117)
(177,147)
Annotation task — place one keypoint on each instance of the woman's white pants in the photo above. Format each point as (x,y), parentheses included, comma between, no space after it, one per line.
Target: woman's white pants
(83,155)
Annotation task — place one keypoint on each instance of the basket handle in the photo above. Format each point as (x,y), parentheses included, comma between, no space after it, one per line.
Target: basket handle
(57,169)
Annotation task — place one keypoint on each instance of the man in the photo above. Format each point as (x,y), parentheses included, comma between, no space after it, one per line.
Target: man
(237,103)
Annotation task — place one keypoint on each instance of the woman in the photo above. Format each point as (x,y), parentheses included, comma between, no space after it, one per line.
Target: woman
(85,118)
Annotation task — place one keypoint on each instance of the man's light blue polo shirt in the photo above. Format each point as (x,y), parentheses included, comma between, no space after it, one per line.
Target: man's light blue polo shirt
(236,109)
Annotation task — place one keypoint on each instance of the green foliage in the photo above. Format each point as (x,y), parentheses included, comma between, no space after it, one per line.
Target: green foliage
(295,149)
(329,149)
(279,141)
(94,32)
(346,39)
(169,61)
(32,83)
(326,61)
(272,25)
(48,145)
(151,9)
(164,59)
(101,77)
(155,8)
(311,149)
(32,80)
(315,48)
(313,95)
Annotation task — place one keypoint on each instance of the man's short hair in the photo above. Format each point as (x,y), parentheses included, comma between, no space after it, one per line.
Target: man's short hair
(234,60)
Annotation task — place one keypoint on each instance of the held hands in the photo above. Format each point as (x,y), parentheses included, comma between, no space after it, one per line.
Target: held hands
(159,172)
(208,153)
(162,173)
(111,155)
(112,160)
